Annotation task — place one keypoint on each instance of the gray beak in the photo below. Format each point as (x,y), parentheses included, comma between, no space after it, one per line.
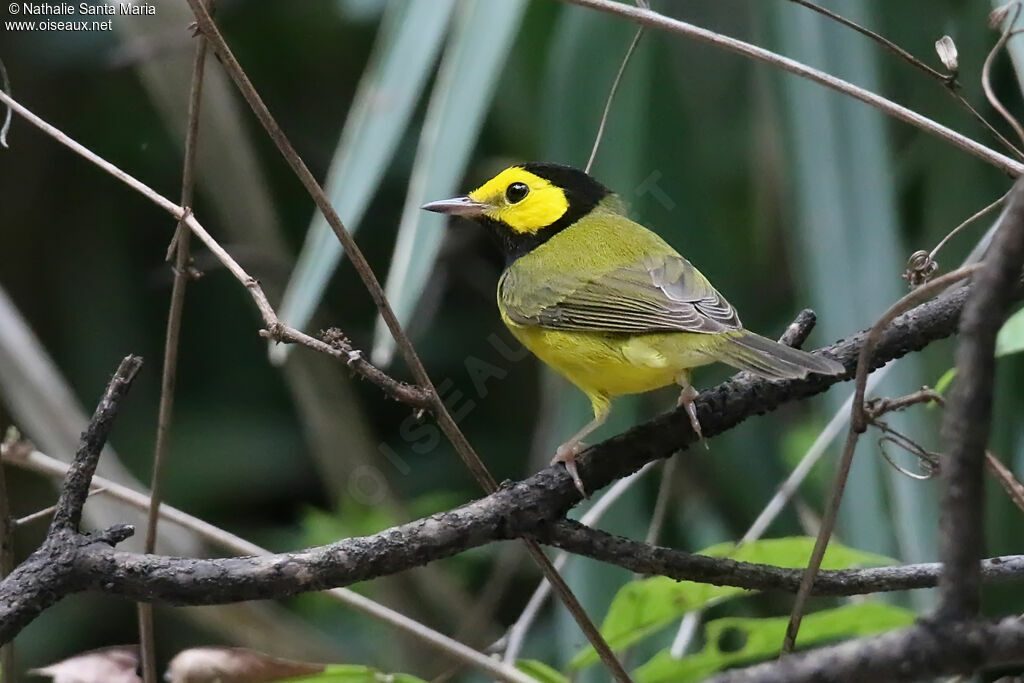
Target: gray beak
(458,206)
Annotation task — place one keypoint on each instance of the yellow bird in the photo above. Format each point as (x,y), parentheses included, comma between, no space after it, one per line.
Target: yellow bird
(605,301)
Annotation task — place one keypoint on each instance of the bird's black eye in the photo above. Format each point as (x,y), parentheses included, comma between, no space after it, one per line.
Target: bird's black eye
(516,192)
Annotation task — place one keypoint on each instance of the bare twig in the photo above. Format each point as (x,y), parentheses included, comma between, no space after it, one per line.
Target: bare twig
(986,71)
(949,79)
(965,426)
(858,424)
(1013,487)
(516,634)
(661,22)
(922,264)
(47,511)
(5,84)
(77,483)
(182,259)
(611,97)
(653,560)
(448,425)
(412,395)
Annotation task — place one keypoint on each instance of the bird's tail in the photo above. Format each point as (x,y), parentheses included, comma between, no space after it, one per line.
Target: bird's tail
(772,360)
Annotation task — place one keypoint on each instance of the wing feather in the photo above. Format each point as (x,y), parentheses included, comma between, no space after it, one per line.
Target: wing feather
(662,293)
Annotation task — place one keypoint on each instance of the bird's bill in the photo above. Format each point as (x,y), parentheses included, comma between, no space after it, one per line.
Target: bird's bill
(457,206)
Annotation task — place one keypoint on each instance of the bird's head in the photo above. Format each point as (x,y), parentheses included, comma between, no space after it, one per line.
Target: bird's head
(526,205)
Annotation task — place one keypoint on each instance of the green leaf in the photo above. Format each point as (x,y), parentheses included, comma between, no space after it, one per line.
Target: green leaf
(735,640)
(541,671)
(947,378)
(469,73)
(643,607)
(402,60)
(1011,336)
(355,673)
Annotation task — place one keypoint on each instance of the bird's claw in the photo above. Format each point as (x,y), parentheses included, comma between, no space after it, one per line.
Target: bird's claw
(566,454)
(686,400)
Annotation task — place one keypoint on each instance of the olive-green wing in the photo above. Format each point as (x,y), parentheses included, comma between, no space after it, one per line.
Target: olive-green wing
(662,293)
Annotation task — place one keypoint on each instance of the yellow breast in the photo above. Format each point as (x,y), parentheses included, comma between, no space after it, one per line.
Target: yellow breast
(606,365)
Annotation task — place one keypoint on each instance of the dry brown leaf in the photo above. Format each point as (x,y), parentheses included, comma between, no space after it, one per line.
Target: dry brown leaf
(234,665)
(118,664)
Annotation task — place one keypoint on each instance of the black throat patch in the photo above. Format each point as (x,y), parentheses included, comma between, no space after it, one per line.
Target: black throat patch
(581,191)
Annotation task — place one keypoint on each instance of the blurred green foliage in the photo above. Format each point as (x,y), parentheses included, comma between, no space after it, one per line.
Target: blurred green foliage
(711,151)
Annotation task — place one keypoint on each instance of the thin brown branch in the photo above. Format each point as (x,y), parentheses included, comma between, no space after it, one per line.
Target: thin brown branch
(967,418)
(858,423)
(611,97)
(77,484)
(922,264)
(400,391)
(168,379)
(1013,487)
(47,511)
(654,560)
(663,23)
(986,71)
(5,85)
(949,79)
(445,421)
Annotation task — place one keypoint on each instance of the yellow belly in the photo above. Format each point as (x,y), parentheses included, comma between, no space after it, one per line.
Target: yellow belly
(605,365)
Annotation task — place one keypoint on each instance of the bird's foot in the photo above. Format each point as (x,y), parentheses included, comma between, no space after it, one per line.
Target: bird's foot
(566,454)
(686,399)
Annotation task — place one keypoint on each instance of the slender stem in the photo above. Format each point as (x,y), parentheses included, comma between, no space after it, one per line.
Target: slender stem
(881,40)
(611,97)
(858,424)
(461,444)
(521,627)
(661,22)
(182,238)
(968,416)
(414,396)
(5,84)
(986,71)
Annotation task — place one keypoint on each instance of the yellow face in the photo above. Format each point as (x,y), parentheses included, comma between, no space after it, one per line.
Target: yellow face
(523,201)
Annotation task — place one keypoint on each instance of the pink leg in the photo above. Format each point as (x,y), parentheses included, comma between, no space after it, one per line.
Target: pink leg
(568,451)
(686,398)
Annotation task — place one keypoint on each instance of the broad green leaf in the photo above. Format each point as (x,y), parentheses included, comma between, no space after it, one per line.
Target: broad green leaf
(470,71)
(354,673)
(643,607)
(1011,336)
(402,59)
(735,640)
(541,671)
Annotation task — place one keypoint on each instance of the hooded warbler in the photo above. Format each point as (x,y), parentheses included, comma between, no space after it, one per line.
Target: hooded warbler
(605,301)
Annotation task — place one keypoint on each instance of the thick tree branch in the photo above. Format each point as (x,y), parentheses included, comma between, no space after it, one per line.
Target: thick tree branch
(52,572)
(76,485)
(965,427)
(921,652)
(517,510)
(644,558)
